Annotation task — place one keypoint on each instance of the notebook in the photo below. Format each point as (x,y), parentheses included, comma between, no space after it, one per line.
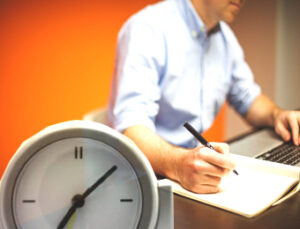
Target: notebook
(261,183)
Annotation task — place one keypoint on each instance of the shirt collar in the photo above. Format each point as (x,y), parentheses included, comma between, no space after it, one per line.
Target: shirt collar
(193,20)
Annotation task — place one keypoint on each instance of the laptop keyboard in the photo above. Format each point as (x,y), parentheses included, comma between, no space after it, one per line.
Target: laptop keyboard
(286,153)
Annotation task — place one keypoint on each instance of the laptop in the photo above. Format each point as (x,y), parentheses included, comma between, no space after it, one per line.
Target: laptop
(265,144)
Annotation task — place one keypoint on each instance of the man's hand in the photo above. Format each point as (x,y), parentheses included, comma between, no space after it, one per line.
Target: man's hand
(263,112)
(201,169)
(286,124)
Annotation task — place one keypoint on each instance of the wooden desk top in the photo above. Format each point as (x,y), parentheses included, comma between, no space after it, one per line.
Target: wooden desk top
(190,214)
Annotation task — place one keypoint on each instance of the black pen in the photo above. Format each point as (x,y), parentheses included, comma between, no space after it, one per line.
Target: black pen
(201,139)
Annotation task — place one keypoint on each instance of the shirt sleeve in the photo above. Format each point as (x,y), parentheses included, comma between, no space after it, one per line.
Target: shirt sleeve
(135,88)
(243,90)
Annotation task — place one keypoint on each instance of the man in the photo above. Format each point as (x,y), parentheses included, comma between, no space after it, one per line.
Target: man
(179,61)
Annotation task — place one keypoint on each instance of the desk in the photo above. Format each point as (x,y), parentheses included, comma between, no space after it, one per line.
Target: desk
(190,214)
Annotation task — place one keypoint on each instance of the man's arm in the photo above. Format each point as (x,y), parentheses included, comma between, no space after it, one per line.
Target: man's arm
(263,112)
(199,170)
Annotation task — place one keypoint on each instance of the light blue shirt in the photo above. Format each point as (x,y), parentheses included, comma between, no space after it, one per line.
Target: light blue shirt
(168,71)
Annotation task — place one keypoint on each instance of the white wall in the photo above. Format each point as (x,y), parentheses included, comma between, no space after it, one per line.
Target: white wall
(288,54)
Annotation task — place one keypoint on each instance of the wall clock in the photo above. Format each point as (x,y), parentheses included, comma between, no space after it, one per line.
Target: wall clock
(82,175)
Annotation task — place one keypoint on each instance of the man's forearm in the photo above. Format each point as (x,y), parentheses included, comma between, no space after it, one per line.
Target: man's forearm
(262,112)
(162,155)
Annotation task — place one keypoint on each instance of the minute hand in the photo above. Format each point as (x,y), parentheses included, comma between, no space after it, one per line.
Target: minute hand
(78,200)
(98,182)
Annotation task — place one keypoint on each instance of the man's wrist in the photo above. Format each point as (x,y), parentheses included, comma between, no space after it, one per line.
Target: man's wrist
(274,114)
(176,162)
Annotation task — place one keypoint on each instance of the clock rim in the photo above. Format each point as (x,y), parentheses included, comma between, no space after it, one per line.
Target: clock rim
(84,129)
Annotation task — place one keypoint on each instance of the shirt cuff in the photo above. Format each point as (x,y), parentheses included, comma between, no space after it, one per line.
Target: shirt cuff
(248,100)
(131,120)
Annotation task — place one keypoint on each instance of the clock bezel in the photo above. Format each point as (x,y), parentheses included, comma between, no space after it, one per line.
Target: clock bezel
(82,129)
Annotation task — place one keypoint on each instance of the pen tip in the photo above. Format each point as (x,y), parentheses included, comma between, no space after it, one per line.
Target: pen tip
(235,172)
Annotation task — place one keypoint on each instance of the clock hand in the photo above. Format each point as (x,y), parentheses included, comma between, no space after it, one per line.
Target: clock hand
(71,221)
(78,200)
(99,181)
(67,217)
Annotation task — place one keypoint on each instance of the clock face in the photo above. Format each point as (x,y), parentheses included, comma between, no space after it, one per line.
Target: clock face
(46,186)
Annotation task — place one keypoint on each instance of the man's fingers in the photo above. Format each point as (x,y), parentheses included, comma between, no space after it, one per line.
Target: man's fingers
(294,125)
(207,184)
(211,180)
(287,125)
(204,189)
(206,168)
(210,189)
(221,147)
(219,160)
(283,131)
(298,119)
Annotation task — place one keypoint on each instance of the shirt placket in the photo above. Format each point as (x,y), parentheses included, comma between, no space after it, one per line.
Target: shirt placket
(203,44)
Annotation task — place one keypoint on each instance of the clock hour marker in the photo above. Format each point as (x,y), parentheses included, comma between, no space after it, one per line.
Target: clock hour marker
(78,153)
(28,201)
(126,200)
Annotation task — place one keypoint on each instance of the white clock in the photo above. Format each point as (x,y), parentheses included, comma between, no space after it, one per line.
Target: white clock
(82,175)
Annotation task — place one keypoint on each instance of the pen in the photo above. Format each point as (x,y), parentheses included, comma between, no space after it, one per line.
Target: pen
(201,139)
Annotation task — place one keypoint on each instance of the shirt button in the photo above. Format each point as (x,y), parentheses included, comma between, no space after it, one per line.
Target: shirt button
(194,33)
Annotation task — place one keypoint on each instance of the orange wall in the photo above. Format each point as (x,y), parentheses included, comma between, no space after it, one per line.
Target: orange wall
(56,63)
